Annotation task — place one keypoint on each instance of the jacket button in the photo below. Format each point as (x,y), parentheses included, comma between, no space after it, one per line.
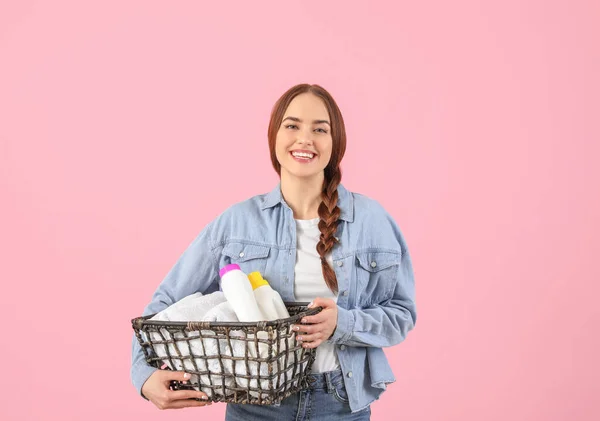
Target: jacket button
(345,292)
(340,263)
(242,254)
(373,264)
(349,374)
(342,347)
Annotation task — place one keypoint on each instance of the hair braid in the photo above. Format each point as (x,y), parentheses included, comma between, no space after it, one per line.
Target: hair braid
(329,212)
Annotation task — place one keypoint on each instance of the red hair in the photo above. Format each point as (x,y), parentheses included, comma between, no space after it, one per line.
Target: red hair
(329,212)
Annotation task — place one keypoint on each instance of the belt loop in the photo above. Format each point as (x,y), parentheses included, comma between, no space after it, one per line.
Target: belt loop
(329,384)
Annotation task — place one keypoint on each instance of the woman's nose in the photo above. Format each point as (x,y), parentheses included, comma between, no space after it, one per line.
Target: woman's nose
(305,138)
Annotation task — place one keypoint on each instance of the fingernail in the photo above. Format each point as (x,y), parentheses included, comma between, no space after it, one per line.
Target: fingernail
(310,304)
(186,375)
(204,398)
(296,327)
(299,338)
(303,320)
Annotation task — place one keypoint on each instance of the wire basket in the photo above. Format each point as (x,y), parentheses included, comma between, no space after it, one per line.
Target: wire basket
(238,362)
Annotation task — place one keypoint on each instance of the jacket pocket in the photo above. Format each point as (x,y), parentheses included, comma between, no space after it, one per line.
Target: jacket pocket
(250,257)
(376,275)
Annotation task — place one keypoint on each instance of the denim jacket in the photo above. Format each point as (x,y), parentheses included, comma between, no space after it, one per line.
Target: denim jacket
(376,301)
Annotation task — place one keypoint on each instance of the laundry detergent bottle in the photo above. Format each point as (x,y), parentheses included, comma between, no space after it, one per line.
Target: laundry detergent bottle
(238,291)
(269,301)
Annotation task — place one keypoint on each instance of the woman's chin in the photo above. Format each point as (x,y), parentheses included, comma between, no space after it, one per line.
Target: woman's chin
(304,173)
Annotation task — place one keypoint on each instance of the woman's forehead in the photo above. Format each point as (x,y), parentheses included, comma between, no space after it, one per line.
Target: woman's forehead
(307,107)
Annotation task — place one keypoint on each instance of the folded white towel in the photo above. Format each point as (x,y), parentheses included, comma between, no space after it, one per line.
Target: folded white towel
(190,308)
(222,312)
(182,359)
(240,367)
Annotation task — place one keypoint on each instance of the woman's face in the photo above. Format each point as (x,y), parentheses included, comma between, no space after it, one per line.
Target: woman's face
(303,144)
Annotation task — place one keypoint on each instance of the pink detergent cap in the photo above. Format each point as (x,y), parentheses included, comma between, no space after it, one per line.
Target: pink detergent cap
(228,268)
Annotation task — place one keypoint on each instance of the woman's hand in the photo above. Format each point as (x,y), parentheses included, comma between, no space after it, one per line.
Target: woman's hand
(322,324)
(156,389)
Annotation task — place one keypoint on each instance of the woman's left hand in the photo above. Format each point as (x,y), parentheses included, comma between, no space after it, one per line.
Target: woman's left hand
(322,325)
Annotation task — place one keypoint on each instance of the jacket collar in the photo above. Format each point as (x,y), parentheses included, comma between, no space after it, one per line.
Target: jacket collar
(345,201)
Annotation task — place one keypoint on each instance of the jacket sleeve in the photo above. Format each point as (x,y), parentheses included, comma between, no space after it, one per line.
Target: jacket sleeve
(386,323)
(196,270)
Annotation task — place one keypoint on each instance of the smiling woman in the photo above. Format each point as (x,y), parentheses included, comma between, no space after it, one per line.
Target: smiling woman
(318,242)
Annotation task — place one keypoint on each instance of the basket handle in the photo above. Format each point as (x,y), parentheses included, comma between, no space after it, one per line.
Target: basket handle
(198,325)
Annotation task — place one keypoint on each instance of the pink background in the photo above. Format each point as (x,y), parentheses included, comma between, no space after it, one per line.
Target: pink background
(126,126)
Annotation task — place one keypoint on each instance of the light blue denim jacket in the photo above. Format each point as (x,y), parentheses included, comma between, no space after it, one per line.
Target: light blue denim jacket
(376,302)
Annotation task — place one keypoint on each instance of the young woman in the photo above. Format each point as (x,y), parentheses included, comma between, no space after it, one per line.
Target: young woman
(313,240)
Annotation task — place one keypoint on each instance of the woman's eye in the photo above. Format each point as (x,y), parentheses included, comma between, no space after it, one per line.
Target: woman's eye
(290,125)
(322,130)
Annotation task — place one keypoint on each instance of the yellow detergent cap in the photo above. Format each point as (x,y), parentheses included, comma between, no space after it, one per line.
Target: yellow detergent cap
(256,280)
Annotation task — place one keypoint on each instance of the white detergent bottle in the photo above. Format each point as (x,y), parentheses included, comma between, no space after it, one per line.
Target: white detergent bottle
(269,301)
(271,305)
(238,291)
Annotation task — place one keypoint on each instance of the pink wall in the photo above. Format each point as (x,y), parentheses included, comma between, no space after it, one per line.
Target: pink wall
(475,123)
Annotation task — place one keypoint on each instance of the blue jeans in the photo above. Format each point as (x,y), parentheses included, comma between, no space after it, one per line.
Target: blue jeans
(324,400)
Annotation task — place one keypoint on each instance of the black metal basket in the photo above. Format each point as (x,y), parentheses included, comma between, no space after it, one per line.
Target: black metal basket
(239,362)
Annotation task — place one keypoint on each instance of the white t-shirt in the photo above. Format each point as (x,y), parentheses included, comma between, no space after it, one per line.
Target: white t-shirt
(309,283)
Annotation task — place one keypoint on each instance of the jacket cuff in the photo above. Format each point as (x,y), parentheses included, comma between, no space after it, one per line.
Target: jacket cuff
(343,330)
(139,374)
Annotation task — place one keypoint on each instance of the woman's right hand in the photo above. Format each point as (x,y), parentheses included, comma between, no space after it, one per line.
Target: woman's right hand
(156,390)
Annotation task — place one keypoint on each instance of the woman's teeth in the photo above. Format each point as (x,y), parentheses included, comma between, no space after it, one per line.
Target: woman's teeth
(303,155)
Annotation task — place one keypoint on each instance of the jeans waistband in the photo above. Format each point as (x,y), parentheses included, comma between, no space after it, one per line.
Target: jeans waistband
(325,380)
